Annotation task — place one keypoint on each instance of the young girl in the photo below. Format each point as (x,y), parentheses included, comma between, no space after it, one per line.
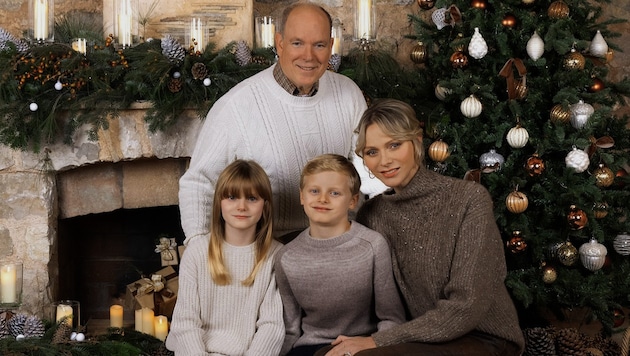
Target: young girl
(228,303)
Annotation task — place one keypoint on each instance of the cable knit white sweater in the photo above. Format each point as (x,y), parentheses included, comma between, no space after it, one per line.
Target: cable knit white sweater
(226,320)
(259,120)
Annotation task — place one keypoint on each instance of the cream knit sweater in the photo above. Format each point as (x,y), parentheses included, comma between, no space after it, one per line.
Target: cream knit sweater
(226,320)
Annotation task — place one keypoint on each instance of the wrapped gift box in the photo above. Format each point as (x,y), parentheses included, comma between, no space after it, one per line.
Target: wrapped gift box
(158,292)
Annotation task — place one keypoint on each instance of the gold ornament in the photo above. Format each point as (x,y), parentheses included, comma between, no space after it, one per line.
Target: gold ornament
(596,85)
(576,218)
(600,210)
(426,4)
(559,114)
(528,2)
(441,92)
(479,4)
(535,165)
(418,53)
(574,60)
(459,59)
(516,202)
(604,176)
(509,21)
(438,151)
(568,254)
(549,274)
(516,244)
(558,10)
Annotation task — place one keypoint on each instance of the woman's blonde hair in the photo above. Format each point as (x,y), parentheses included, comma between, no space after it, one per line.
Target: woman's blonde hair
(241,178)
(397,119)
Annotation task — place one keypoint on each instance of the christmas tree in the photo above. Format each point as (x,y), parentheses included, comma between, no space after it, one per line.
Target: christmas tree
(514,94)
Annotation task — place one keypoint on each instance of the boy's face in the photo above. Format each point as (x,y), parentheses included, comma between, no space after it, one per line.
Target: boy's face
(326,198)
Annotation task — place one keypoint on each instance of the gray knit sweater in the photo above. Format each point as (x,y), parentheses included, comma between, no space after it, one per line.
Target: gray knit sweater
(448,260)
(342,285)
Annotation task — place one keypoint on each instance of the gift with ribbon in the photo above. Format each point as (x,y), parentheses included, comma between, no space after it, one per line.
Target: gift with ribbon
(159,292)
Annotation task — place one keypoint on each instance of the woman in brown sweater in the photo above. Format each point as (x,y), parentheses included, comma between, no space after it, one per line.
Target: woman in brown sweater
(447,253)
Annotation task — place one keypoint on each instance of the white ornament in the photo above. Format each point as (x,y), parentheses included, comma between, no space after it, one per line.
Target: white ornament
(58,85)
(176,75)
(593,255)
(207,82)
(535,47)
(441,92)
(80,337)
(439,18)
(577,159)
(621,244)
(20,337)
(491,160)
(33,107)
(477,48)
(471,107)
(599,47)
(73,336)
(580,113)
(517,137)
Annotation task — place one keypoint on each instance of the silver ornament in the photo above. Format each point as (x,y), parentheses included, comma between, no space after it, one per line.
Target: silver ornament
(593,255)
(621,244)
(599,47)
(577,159)
(580,113)
(491,160)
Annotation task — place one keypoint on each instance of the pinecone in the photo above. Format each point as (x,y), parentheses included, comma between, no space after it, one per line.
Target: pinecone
(199,70)
(62,334)
(5,36)
(243,54)
(172,50)
(4,327)
(607,346)
(16,324)
(175,85)
(260,60)
(163,351)
(334,62)
(33,327)
(538,342)
(570,342)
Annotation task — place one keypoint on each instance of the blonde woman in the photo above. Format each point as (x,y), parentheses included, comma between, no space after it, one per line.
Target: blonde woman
(228,303)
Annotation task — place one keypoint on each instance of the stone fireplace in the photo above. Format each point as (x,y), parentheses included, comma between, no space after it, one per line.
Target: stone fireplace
(56,206)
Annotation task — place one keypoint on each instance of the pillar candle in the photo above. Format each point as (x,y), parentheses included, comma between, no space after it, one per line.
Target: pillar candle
(197,35)
(161,327)
(268,31)
(139,320)
(64,311)
(79,45)
(8,283)
(147,321)
(125,18)
(116,316)
(364,18)
(40,19)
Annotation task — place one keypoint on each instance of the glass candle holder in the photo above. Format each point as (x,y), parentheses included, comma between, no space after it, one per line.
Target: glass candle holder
(197,35)
(365,20)
(337,35)
(41,16)
(265,28)
(10,285)
(67,311)
(79,45)
(125,22)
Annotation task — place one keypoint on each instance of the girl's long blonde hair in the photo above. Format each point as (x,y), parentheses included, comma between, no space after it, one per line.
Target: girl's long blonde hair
(240,178)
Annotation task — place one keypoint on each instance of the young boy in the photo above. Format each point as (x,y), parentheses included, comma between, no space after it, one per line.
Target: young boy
(335,278)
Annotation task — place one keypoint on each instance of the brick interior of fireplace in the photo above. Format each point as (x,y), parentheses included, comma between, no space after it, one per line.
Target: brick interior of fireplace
(99,254)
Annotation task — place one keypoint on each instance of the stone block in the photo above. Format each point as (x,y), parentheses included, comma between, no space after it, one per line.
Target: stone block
(148,183)
(89,190)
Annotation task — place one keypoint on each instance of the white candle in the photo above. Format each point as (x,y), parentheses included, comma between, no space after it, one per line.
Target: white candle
(8,283)
(40,19)
(147,321)
(196,35)
(64,311)
(267,31)
(139,320)
(364,25)
(116,316)
(125,18)
(80,45)
(337,36)
(161,327)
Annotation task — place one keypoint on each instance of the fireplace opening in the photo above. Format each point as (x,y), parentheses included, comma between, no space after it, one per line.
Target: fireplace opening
(99,254)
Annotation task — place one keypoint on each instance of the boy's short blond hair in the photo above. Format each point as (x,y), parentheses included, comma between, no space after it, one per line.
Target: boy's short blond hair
(333,163)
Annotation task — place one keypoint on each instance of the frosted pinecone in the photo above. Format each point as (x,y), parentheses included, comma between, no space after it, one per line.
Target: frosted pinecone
(172,50)
(33,327)
(334,62)
(16,324)
(4,327)
(5,36)
(243,54)
(538,342)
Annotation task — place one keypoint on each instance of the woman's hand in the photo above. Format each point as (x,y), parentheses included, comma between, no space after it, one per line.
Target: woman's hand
(348,346)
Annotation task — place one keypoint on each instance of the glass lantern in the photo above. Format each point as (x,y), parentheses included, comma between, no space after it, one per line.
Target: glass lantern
(197,35)
(41,16)
(337,35)
(365,21)
(66,311)
(125,22)
(10,285)
(265,28)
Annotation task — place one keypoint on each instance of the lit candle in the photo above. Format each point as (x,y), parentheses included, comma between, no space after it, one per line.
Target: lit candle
(124,23)
(196,35)
(116,316)
(139,320)
(80,45)
(161,327)
(64,311)
(364,25)
(147,321)
(267,31)
(40,19)
(8,283)
(337,35)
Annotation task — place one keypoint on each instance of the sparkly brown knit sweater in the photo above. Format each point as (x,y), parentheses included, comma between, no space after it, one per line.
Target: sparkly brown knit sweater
(448,260)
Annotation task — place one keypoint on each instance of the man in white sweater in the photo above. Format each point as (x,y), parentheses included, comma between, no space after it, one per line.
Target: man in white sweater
(281,118)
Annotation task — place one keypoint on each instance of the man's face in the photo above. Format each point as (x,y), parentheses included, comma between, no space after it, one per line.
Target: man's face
(305,47)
